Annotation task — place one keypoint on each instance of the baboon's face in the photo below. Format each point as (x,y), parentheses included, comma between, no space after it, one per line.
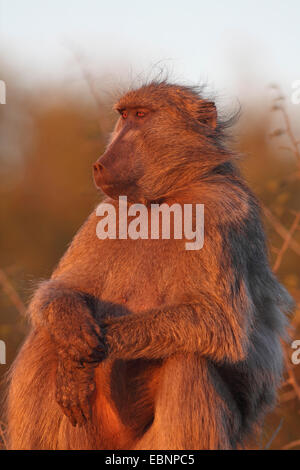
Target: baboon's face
(157,137)
(119,170)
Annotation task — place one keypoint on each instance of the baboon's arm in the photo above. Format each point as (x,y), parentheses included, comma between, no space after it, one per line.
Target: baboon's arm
(77,339)
(215,327)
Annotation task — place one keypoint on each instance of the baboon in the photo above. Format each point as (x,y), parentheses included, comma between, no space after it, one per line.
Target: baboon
(142,344)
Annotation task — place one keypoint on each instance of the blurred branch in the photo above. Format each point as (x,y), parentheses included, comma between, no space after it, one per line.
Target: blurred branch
(87,76)
(288,396)
(291,445)
(12,293)
(2,435)
(267,446)
(279,106)
(290,133)
(294,383)
(286,242)
(281,230)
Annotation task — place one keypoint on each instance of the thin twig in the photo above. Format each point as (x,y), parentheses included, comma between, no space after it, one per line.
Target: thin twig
(290,133)
(290,445)
(288,396)
(2,435)
(11,292)
(294,383)
(267,446)
(87,76)
(281,230)
(286,242)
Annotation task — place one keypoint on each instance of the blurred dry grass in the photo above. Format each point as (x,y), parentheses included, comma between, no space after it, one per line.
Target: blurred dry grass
(47,147)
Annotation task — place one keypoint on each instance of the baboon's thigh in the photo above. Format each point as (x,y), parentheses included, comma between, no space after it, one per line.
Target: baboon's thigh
(35,420)
(31,407)
(189,411)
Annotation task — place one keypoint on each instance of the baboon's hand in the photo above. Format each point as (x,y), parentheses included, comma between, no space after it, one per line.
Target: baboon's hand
(78,335)
(74,389)
(68,317)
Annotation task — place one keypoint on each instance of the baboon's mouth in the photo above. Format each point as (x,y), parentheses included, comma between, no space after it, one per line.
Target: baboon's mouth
(115,190)
(104,187)
(108,189)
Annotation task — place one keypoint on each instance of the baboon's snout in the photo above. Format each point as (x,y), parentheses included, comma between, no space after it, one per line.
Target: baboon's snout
(99,171)
(102,176)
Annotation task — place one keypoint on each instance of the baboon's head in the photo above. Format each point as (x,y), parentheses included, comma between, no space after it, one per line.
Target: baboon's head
(166,137)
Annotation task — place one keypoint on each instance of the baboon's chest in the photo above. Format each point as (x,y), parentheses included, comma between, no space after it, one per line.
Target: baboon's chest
(142,275)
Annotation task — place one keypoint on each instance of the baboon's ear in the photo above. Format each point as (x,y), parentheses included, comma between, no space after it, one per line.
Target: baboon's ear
(207,113)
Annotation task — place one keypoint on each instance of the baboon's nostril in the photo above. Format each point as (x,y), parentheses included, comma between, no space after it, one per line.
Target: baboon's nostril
(98,167)
(100,174)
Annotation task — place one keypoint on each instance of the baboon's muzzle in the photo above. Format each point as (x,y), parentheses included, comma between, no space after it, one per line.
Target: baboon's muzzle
(101,175)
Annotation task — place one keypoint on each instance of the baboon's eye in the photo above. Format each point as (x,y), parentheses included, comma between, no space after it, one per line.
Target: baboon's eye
(140,114)
(124,113)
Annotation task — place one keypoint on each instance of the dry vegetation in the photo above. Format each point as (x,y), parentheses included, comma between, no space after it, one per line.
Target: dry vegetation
(46,152)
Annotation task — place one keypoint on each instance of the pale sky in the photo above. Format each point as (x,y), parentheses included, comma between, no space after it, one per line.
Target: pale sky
(227,43)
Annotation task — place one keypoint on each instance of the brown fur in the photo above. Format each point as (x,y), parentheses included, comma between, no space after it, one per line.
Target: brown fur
(185,345)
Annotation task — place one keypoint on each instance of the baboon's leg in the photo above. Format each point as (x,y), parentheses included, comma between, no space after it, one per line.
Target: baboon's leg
(35,420)
(33,416)
(189,412)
